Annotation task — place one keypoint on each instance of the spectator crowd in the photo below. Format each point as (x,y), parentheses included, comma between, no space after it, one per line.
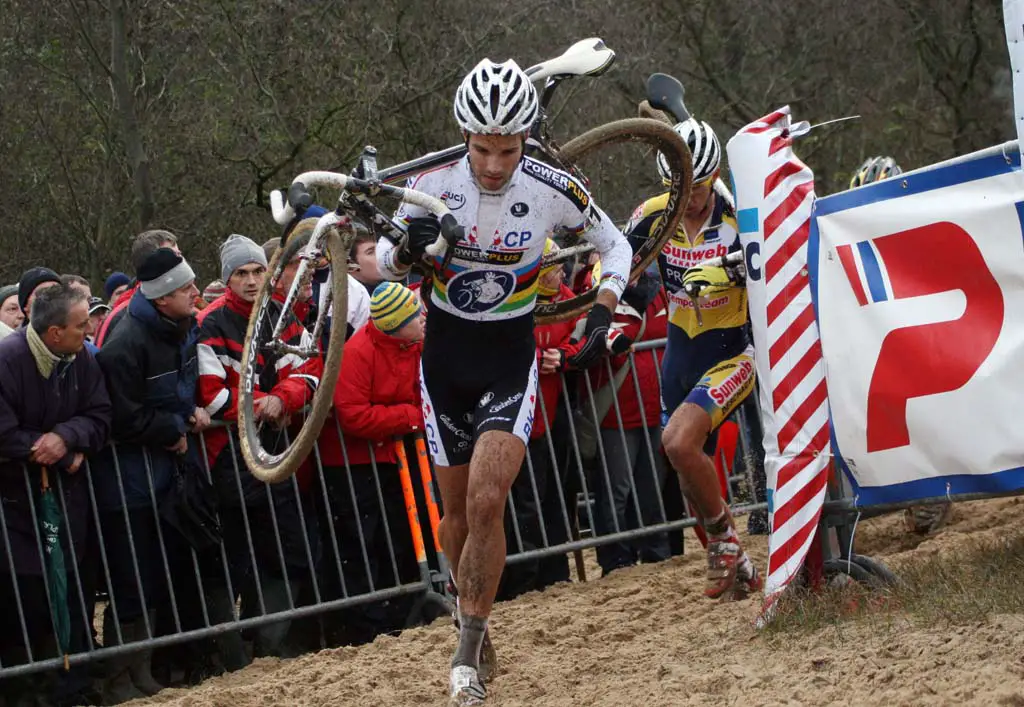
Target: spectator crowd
(125,403)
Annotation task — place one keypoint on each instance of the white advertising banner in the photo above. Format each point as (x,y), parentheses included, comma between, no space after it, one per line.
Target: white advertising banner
(919,289)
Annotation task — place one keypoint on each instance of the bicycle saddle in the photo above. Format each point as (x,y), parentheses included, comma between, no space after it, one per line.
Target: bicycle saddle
(587,57)
(666,93)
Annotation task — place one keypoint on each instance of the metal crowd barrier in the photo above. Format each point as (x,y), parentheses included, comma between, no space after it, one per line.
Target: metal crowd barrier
(220,592)
(188,612)
(593,479)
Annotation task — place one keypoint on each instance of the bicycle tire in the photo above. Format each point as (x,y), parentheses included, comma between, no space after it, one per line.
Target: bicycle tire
(877,568)
(273,468)
(663,138)
(859,574)
(644,110)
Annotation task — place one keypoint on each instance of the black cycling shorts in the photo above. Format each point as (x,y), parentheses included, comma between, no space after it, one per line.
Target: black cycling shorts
(476,377)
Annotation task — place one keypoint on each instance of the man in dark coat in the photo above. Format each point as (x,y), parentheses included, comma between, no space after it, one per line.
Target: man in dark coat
(54,410)
(151,369)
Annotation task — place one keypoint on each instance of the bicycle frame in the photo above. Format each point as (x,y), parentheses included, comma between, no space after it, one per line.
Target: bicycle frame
(451,232)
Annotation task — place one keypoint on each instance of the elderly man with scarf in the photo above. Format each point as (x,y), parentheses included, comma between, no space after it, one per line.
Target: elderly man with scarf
(54,410)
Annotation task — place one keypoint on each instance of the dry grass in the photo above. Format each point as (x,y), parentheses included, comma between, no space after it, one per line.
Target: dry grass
(951,589)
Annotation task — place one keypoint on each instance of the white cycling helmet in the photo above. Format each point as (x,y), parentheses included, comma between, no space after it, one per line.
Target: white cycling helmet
(496,99)
(705,151)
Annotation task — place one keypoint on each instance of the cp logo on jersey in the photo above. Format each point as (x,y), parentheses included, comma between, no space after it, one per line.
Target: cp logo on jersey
(479,291)
(517,239)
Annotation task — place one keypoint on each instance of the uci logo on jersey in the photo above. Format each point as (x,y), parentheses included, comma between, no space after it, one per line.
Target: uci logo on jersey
(519,209)
(452,200)
(479,291)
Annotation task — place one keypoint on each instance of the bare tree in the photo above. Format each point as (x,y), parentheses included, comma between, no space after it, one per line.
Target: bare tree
(124,101)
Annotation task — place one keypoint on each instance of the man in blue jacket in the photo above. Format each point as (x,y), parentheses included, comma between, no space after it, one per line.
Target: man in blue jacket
(151,370)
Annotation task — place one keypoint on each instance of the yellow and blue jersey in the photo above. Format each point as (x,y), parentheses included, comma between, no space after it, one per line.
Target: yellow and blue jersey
(701,352)
(719,236)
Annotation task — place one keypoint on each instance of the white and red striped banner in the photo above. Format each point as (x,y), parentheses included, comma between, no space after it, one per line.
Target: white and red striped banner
(774,196)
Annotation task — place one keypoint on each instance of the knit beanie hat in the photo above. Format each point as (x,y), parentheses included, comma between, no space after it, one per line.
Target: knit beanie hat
(549,247)
(214,290)
(30,280)
(162,273)
(270,247)
(115,280)
(7,291)
(392,306)
(239,251)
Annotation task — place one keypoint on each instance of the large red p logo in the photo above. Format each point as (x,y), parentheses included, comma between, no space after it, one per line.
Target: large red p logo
(928,358)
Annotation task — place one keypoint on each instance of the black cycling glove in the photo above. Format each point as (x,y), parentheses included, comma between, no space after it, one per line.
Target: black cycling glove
(595,337)
(422,231)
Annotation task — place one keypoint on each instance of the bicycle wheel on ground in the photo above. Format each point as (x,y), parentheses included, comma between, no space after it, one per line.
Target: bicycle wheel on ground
(877,568)
(272,455)
(841,571)
(581,151)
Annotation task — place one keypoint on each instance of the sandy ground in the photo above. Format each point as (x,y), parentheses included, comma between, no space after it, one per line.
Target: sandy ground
(646,636)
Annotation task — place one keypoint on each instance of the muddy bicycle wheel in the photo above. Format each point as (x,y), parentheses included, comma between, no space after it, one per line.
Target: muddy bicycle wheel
(661,138)
(277,464)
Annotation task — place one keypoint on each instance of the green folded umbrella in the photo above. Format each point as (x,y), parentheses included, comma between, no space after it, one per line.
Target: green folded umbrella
(56,573)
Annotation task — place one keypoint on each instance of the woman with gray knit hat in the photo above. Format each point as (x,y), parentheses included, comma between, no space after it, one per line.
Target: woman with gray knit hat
(11,315)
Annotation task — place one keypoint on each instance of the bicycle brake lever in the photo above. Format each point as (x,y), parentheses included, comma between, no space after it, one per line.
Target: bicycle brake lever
(299,197)
(451,230)
(693,292)
(452,233)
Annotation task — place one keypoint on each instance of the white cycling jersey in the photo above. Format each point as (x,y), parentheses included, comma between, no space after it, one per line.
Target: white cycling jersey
(493,273)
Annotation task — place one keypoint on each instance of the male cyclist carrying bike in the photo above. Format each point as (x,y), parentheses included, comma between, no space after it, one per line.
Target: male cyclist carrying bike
(479,373)
(708,367)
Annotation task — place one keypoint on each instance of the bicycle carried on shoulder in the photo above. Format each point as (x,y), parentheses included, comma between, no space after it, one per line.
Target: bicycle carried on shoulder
(330,241)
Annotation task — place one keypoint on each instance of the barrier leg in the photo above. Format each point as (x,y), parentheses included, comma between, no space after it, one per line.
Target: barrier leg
(427,479)
(429,596)
(577,555)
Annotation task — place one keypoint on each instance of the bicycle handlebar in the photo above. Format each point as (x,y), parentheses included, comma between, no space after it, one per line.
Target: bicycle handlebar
(298,196)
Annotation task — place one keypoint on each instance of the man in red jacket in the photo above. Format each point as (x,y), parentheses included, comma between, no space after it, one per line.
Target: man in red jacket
(286,384)
(376,401)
